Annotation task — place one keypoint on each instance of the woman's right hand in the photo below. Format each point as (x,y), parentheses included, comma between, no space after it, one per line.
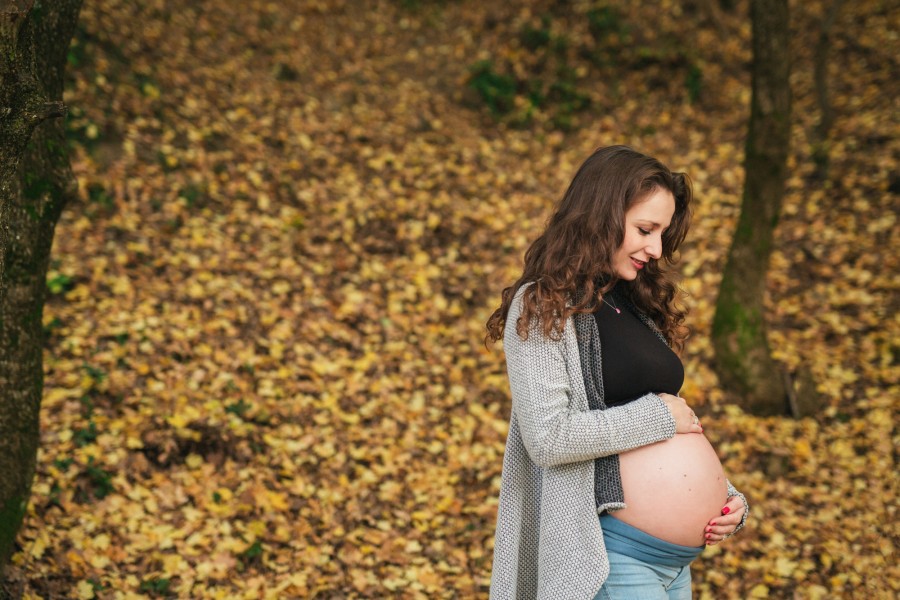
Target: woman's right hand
(685,419)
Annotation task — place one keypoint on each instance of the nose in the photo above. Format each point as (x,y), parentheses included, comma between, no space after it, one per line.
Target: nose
(654,246)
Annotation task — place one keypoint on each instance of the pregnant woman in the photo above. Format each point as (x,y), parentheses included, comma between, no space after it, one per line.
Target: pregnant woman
(609,489)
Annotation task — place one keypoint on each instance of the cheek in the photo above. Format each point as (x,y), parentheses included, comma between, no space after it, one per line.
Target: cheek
(630,244)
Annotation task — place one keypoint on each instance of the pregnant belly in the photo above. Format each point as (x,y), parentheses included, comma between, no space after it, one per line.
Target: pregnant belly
(673,488)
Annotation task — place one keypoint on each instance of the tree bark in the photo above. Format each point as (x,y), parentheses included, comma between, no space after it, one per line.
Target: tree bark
(822,132)
(35,183)
(743,360)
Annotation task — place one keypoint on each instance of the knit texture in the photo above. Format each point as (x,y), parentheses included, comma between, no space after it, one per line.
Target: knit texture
(608,490)
(548,542)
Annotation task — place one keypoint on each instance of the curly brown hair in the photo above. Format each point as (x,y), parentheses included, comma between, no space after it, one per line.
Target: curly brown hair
(570,264)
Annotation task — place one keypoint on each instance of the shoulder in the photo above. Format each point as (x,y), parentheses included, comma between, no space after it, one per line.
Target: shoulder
(511,336)
(535,328)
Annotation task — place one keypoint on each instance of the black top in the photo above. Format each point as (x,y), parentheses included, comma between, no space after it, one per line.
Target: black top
(634,361)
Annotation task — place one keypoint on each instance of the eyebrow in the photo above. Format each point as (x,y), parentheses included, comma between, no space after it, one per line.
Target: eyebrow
(654,223)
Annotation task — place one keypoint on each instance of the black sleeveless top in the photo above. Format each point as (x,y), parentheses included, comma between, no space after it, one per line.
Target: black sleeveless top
(635,361)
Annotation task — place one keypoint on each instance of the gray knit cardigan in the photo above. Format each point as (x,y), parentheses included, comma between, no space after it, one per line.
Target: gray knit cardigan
(548,542)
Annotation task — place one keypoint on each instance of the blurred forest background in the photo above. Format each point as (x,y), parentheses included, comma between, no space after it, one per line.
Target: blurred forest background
(265,374)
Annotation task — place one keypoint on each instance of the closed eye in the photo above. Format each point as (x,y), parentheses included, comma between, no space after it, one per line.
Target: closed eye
(644,231)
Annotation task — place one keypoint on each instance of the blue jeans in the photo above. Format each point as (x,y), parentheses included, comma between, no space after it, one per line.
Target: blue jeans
(644,567)
(633,579)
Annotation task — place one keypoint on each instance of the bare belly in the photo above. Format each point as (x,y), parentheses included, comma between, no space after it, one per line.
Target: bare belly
(673,488)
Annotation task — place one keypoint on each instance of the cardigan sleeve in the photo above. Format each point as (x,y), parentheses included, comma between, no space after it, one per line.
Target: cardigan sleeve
(553,431)
(732,491)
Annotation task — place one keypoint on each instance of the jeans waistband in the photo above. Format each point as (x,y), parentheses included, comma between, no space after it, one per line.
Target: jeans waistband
(622,538)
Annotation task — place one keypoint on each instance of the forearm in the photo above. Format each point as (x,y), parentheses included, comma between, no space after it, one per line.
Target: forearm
(556,433)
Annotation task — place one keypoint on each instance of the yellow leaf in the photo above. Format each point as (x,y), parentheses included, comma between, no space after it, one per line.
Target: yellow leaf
(802,449)
(257,527)
(784,566)
(278,501)
(99,561)
(85,590)
(325,450)
(101,542)
(40,544)
(178,421)
(150,90)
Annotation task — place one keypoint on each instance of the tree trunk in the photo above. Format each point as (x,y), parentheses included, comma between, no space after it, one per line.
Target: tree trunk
(35,183)
(743,361)
(822,132)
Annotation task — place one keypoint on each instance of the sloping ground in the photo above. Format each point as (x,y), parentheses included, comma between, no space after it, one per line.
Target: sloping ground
(265,370)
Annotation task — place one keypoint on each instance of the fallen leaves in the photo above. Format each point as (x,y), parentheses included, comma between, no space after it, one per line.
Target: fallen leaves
(265,371)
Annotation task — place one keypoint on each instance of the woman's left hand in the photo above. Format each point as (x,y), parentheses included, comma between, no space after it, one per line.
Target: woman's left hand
(724,525)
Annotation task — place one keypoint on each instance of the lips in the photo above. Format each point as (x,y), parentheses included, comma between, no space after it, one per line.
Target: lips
(638,264)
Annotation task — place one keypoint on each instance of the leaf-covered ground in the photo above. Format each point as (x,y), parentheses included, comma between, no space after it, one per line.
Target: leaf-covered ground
(264,366)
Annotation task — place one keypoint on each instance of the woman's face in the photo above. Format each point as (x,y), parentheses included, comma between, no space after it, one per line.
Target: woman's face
(644,226)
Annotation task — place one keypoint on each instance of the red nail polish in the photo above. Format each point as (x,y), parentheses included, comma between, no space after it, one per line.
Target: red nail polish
(708,536)
(726,510)
(713,523)
(708,529)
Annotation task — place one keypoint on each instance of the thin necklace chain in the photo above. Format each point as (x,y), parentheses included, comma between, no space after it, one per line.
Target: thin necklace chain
(613,306)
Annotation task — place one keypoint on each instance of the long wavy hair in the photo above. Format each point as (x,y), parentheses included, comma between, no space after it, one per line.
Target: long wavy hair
(570,264)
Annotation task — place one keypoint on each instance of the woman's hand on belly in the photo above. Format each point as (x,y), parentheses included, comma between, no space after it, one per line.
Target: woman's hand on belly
(685,419)
(725,523)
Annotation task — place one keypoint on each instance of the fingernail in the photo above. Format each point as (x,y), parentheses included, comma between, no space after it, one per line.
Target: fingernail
(708,536)
(726,510)
(713,523)
(708,529)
